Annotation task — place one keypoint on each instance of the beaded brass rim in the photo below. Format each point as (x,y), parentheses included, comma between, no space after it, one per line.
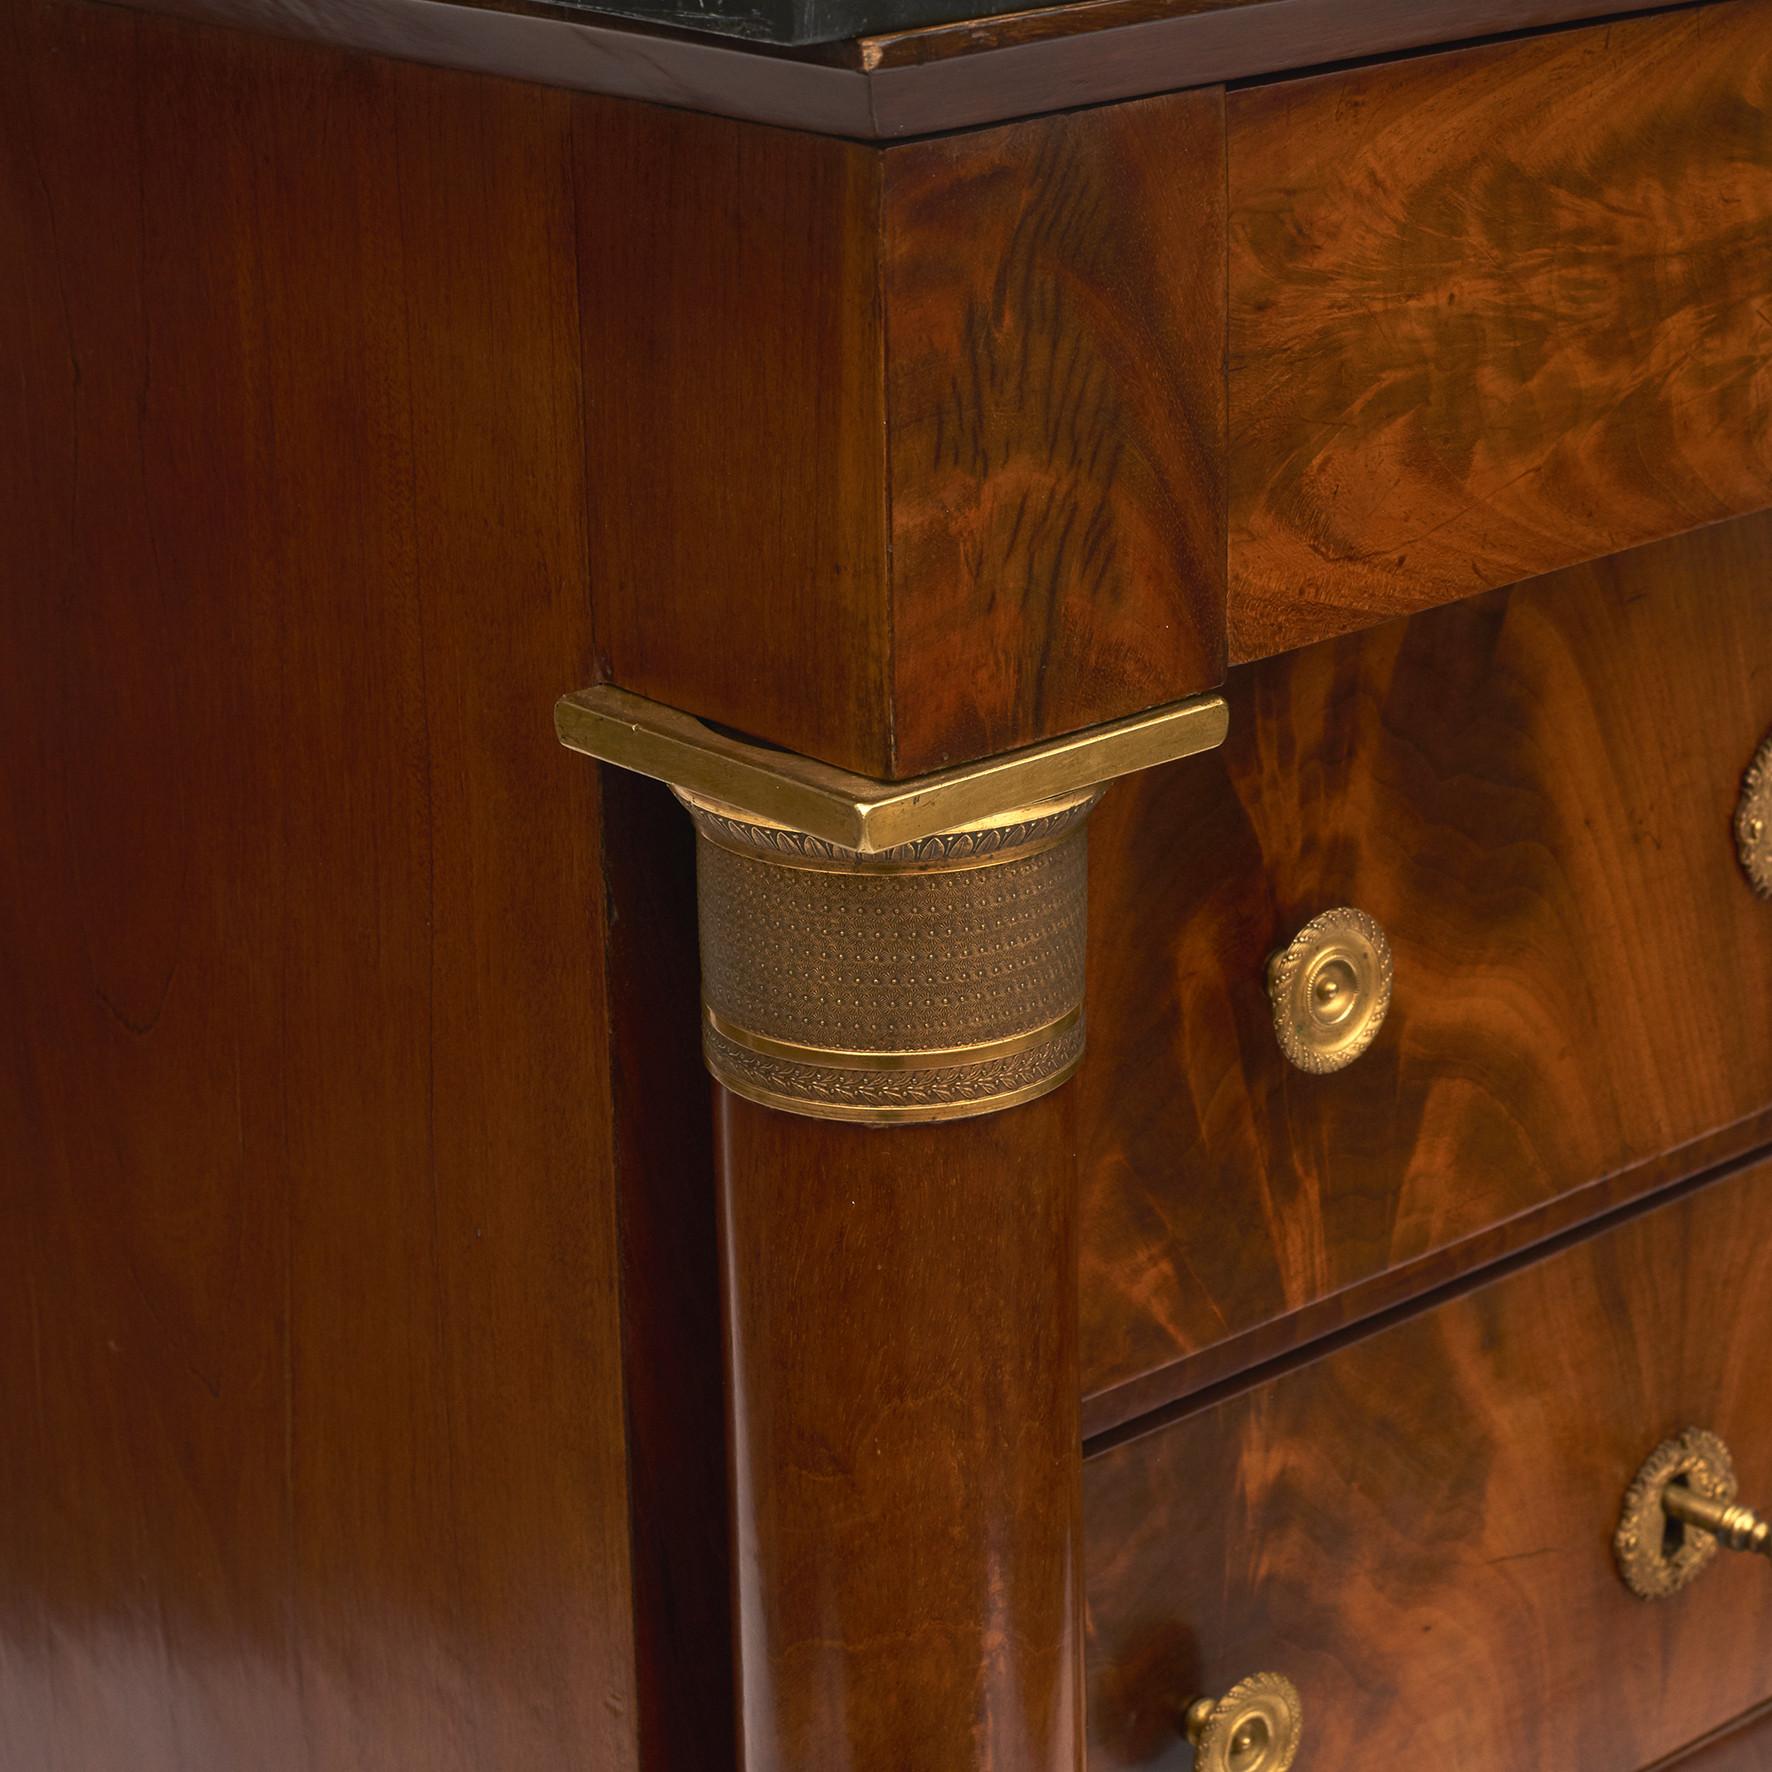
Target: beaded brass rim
(1753,822)
(850,1059)
(1257,1726)
(1657,1557)
(1331,989)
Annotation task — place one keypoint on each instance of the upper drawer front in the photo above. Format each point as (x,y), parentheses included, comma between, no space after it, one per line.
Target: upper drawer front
(1495,312)
(1533,792)
(1417,1528)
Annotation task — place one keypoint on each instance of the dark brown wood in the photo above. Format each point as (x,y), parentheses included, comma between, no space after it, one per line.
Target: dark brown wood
(308,1308)
(1055,326)
(733,379)
(913,83)
(1532,791)
(1416,1529)
(1495,312)
(567,46)
(1744,1747)
(902,1330)
(978,404)
(672,1324)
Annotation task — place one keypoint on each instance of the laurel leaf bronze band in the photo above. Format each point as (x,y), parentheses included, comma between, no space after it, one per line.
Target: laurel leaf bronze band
(887,1098)
(840,1058)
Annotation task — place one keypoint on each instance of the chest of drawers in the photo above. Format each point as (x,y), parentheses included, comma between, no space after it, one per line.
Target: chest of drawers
(1170,600)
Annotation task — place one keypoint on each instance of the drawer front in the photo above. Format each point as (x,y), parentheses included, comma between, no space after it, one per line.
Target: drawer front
(1416,1528)
(1534,793)
(1494,312)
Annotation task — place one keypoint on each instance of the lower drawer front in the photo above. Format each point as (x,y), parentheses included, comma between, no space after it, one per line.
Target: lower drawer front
(1416,1528)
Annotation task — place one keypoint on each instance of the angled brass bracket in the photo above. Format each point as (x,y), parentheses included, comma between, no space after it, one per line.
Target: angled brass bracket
(887,951)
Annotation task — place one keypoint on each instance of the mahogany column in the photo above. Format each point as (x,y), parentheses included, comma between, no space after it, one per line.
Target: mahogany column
(893,1001)
(906,1458)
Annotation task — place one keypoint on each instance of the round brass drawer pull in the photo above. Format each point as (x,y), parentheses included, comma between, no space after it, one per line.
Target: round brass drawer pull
(1254,1727)
(1679,1511)
(1753,822)
(1331,989)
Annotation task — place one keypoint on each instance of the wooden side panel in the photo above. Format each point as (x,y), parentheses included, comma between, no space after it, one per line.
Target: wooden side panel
(1533,792)
(735,429)
(1495,312)
(1055,332)
(308,1316)
(906,1457)
(1417,1528)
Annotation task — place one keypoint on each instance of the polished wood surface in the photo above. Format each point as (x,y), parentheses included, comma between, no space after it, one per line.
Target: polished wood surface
(1054,324)
(905,84)
(1747,1748)
(1533,793)
(741,571)
(906,1456)
(979,403)
(1417,1527)
(1494,312)
(309,1349)
(672,1324)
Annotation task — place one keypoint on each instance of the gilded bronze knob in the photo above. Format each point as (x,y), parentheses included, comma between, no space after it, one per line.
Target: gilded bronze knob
(1679,1511)
(1254,1727)
(1331,989)
(1753,822)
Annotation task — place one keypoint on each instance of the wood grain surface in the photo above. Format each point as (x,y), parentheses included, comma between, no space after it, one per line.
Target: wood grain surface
(1494,312)
(679,1505)
(902,458)
(1417,1528)
(309,1348)
(906,1457)
(1055,325)
(1746,1748)
(1533,792)
(735,436)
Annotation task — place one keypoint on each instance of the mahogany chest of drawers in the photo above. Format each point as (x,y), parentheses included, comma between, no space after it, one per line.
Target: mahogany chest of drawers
(1172,604)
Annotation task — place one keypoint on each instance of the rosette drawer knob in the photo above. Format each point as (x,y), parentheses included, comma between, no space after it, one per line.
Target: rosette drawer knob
(1254,1727)
(1330,987)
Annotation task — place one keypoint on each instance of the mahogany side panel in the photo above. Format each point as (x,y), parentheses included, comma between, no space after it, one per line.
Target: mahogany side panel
(308,1323)
(1494,312)
(1055,351)
(1533,792)
(1416,1529)
(735,429)
(906,1455)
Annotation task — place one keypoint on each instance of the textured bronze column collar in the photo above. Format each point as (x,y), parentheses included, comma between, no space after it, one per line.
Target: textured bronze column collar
(887,951)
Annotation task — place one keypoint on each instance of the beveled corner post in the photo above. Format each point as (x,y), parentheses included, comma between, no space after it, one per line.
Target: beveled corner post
(887,952)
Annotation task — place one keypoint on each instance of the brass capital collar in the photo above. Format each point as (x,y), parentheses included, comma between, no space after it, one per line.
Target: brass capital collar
(887,952)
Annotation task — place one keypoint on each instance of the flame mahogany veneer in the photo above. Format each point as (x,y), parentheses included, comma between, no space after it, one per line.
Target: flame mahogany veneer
(409,1359)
